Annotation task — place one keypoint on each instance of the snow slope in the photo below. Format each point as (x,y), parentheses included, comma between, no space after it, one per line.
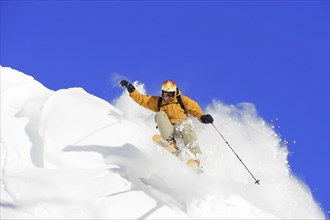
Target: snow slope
(68,154)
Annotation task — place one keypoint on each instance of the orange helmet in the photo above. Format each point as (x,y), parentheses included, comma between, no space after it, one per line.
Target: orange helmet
(169,86)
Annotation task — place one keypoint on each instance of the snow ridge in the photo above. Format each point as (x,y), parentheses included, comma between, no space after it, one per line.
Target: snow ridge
(69,154)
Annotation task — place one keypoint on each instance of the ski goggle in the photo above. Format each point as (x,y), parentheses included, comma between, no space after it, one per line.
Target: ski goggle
(168,94)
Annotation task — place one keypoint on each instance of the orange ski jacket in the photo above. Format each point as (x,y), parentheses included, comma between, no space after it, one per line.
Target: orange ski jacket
(173,109)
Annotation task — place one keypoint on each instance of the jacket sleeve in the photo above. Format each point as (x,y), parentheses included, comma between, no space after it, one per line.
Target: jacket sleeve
(192,107)
(149,102)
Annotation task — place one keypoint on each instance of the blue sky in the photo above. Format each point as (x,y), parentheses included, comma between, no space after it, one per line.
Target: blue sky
(274,54)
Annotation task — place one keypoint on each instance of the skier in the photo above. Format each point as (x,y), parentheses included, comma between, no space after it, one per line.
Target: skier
(172,109)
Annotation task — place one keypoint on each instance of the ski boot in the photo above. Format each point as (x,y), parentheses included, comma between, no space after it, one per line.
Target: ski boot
(172,146)
(195,163)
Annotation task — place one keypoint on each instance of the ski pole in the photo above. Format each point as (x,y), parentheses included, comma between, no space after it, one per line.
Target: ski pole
(256,181)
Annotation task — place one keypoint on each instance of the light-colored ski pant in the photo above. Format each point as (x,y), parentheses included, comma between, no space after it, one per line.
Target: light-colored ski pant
(181,130)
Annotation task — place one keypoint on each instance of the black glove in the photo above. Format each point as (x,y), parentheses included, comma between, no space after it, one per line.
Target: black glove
(125,83)
(206,119)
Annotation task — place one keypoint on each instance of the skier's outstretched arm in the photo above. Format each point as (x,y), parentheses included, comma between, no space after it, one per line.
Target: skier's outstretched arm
(149,102)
